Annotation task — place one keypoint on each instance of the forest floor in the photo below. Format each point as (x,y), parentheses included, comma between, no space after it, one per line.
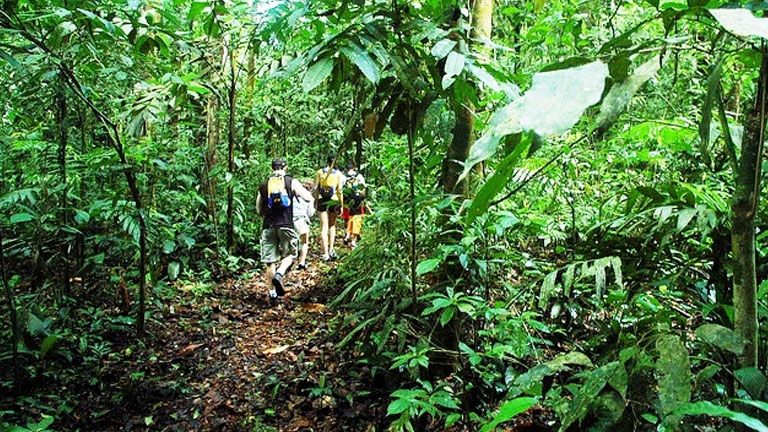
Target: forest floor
(216,357)
(248,366)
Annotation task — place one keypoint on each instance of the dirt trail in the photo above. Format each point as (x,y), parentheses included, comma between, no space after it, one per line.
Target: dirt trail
(255,367)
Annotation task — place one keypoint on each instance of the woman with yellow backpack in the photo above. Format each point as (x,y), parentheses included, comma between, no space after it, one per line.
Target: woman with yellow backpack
(328,194)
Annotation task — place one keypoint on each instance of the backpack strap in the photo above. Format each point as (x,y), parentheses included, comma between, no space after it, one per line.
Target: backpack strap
(288,185)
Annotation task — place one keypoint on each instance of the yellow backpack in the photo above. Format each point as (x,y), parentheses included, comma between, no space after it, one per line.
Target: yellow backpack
(328,183)
(277,195)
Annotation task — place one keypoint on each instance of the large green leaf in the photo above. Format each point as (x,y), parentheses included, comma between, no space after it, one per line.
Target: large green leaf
(427,266)
(705,125)
(721,337)
(530,380)
(752,380)
(454,65)
(741,22)
(173,270)
(596,380)
(571,91)
(674,370)
(12,61)
(508,411)
(363,61)
(618,98)
(557,99)
(497,182)
(316,73)
(22,217)
(47,344)
(442,48)
(709,409)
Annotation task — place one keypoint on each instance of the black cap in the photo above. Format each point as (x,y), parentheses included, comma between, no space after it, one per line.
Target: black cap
(278,163)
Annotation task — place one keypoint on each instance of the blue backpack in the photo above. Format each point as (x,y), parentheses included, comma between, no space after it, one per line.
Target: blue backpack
(277,194)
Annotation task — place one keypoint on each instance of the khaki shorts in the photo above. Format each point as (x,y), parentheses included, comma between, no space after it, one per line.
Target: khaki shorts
(301,225)
(354,224)
(278,243)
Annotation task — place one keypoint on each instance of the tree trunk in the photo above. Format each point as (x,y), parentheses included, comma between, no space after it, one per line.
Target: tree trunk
(463,136)
(248,121)
(231,153)
(464,130)
(212,141)
(80,238)
(61,122)
(743,210)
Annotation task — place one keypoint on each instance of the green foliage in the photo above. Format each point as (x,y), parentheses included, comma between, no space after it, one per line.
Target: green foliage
(579,287)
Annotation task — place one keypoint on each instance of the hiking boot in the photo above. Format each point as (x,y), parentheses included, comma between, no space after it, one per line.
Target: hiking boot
(277,283)
(301,267)
(326,258)
(333,255)
(273,301)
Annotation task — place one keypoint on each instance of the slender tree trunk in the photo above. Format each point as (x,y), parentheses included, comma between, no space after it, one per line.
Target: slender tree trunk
(231,153)
(212,142)
(63,125)
(743,210)
(80,239)
(412,181)
(464,130)
(248,120)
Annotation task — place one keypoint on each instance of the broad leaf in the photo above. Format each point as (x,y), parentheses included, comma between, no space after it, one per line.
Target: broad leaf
(12,61)
(363,61)
(752,380)
(173,270)
(674,370)
(497,182)
(557,99)
(316,73)
(442,48)
(454,64)
(705,126)
(741,22)
(480,73)
(709,409)
(47,344)
(508,411)
(721,337)
(552,105)
(22,217)
(427,266)
(531,379)
(596,380)
(618,98)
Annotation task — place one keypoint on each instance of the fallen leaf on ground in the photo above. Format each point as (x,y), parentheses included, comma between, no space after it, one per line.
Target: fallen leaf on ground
(313,307)
(189,349)
(275,350)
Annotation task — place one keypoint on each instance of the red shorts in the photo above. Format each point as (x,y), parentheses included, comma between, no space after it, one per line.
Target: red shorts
(345,213)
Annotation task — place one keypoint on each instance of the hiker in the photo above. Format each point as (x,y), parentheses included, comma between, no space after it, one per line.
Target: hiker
(354,195)
(328,190)
(302,212)
(279,241)
(354,204)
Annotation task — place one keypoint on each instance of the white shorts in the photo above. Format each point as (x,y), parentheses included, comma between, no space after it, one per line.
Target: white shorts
(301,225)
